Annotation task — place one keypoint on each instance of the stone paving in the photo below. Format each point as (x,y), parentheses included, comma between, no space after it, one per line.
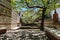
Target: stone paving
(24,35)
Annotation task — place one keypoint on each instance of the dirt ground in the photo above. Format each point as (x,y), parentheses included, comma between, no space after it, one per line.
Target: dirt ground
(50,23)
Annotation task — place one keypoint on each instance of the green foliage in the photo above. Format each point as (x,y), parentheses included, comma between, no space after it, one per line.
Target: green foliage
(30,15)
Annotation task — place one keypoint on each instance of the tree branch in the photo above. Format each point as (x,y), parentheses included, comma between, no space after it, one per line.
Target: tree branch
(32,6)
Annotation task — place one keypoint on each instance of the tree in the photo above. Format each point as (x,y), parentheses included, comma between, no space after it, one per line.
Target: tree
(45,5)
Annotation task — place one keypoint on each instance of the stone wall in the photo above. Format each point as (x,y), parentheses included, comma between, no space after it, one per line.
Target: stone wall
(14,19)
(5,13)
(8,17)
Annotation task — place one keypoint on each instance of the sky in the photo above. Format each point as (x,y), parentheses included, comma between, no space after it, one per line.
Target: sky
(23,9)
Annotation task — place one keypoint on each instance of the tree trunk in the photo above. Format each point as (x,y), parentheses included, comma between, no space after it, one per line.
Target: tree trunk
(42,21)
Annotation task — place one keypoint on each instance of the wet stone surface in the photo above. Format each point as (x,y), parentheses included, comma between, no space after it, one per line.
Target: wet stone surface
(24,35)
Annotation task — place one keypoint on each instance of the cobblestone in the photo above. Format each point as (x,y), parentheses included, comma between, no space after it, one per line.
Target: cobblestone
(24,35)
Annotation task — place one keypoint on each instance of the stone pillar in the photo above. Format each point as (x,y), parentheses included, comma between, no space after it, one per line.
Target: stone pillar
(55,17)
(14,20)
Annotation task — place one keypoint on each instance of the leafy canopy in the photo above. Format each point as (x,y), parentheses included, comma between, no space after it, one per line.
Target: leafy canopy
(32,14)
